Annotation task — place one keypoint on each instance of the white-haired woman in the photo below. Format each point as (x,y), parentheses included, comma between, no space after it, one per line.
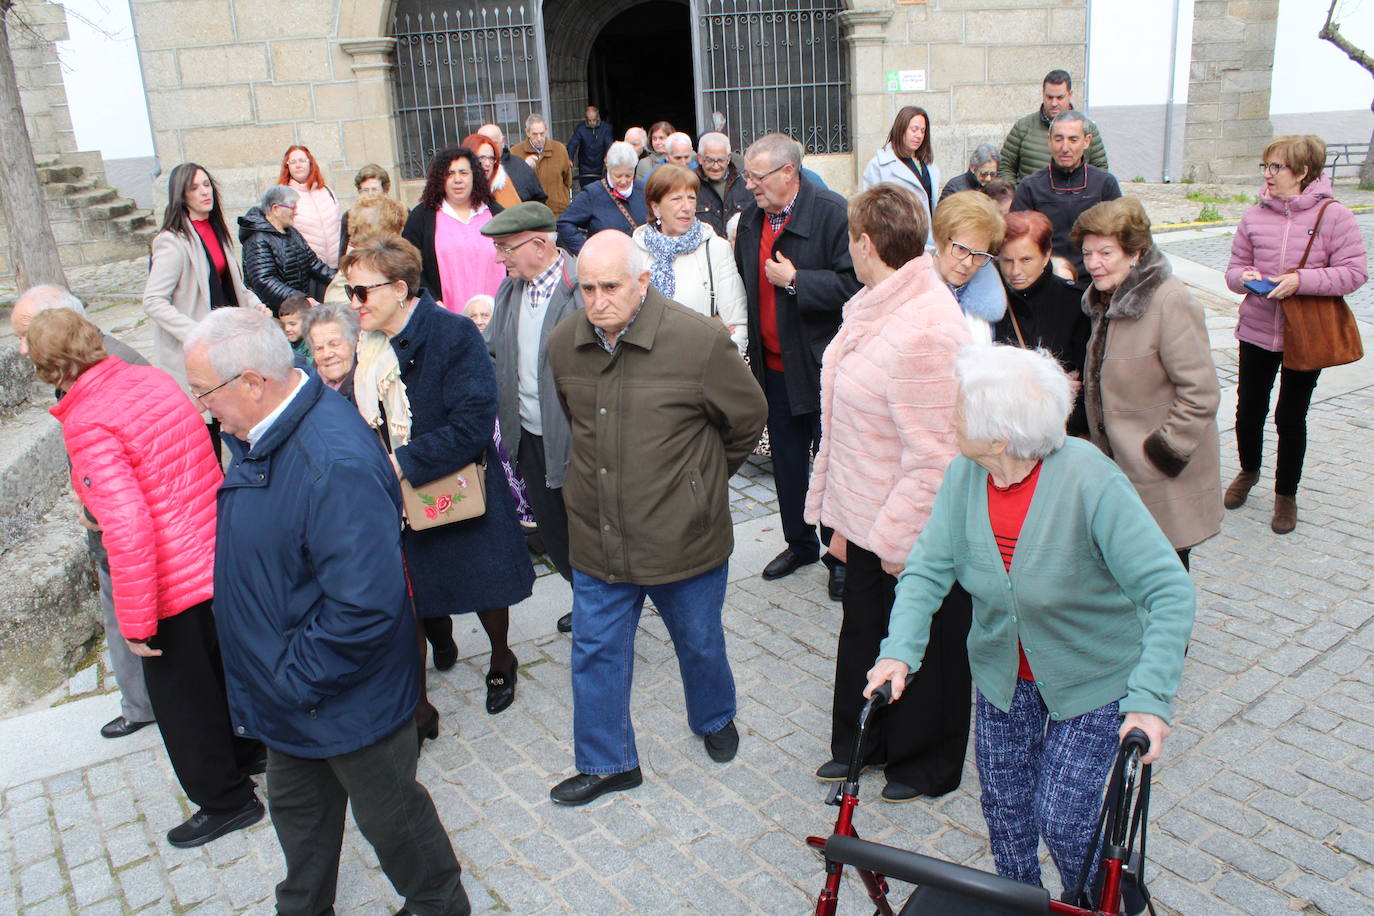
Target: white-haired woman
(982,168)
(332,332)
(277,262)
(614,202)
(1081,610)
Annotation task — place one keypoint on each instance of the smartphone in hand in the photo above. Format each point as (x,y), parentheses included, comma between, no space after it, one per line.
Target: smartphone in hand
(1260,287)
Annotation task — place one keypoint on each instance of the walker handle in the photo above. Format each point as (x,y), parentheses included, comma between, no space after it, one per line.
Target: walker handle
(1135,739)
(882,694)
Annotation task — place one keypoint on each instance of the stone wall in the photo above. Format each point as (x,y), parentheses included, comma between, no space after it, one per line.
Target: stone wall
(34,26)
(1228,91)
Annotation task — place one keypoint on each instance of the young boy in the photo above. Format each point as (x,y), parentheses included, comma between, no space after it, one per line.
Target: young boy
(292,314)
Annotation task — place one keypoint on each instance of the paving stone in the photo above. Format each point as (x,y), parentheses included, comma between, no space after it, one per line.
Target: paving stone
(92,882)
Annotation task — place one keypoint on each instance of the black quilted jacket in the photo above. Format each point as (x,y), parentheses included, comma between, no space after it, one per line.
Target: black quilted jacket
(277,264)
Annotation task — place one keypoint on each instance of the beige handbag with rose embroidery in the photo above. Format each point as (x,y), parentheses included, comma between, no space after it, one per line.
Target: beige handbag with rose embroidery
(454,497)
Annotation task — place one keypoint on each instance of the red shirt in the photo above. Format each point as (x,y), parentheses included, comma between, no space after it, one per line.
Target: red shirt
(768,301)
(1007,508)
(207,235)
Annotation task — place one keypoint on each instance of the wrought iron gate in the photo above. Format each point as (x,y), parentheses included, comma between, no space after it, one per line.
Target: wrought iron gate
(473,63)
(775,65)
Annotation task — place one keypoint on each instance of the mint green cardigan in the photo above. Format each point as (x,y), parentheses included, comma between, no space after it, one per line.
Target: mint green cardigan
(1096,595)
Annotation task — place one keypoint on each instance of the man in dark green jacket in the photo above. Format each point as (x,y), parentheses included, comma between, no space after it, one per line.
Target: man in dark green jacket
(1027,147)
(663,411)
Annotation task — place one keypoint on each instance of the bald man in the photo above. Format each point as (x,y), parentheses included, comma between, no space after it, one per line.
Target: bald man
(662,411)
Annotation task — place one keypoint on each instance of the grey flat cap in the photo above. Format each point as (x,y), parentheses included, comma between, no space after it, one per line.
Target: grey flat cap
(531,216)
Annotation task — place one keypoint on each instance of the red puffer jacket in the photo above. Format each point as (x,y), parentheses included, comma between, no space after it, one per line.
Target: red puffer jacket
(144,467)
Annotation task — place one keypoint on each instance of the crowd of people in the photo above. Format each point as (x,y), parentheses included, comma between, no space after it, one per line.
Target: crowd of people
(991,411)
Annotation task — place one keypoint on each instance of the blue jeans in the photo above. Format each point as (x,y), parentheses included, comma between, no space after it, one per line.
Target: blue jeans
(605,618)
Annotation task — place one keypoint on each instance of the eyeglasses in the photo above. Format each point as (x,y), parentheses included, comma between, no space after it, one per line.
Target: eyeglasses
(507,250)
(963,253)
(291,207)
(360,292)
(486,158)
(758,179)
(205,394)
(706,160)
(1272,168)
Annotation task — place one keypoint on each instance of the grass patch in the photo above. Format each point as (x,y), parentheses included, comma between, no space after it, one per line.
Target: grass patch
(1211,196)
(1139,179)
(1209,214)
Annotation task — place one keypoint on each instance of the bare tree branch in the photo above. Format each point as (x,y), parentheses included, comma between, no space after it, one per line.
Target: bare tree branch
(1331,31)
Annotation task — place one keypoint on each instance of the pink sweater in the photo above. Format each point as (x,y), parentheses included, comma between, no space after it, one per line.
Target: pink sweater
(317,220)
(467,260)
(887,411)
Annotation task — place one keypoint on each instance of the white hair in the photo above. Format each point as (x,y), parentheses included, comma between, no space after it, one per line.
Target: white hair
(780,150)
(278,194)
(1020,397)
(43,297)
(636,132)
(984,154)
(534,118)
(241,339)
(678,139)
(713,139)
(332,313)
(621,155)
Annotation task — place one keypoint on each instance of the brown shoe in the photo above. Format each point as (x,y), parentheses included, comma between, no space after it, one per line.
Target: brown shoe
(1285,514)
(1240,489)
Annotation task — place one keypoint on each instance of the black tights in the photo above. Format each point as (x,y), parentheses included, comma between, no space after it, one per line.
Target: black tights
(1258,367)
(496,623)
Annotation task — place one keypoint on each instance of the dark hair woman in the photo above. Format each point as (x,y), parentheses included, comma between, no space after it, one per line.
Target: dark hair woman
(433,388)
(1268,245)
(446,226)
(907,159)
(1043,309)
(194,267)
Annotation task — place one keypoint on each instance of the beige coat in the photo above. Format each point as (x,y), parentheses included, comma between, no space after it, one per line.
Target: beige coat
(177,295)
(1152,394)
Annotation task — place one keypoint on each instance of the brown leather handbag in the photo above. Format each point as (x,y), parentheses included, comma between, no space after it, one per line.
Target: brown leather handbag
(1318,331)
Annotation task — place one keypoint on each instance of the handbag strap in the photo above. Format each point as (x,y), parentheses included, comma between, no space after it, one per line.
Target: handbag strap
(1316,227)
(624,210)
(1016,326)
(710,274)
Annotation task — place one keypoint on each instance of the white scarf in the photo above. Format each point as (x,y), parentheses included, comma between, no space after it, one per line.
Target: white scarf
(377,386)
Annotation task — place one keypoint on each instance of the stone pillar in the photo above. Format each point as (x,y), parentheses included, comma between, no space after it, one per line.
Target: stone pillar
(869,118)
(1228,88)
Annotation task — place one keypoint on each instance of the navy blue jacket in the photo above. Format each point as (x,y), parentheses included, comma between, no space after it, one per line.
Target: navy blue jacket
(593,210)
(588,145)
(315,628)
(481,563)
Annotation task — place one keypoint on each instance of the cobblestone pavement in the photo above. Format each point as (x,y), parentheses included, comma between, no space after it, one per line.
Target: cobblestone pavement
(1264,803)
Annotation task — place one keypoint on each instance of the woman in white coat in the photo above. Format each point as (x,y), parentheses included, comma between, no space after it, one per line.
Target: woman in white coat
(688,262)
(907,159)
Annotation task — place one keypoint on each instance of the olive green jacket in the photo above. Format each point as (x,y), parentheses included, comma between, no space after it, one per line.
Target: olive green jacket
(1027,148)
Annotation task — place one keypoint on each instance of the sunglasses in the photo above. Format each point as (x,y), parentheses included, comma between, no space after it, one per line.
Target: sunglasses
(360,292)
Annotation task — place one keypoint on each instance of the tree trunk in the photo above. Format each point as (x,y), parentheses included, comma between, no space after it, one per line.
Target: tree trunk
(32,245)
(1367,167)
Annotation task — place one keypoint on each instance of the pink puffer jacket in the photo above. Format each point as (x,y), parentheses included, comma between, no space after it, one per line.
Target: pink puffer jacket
(887,411)
(1271,238)
(317,220)
(143,465)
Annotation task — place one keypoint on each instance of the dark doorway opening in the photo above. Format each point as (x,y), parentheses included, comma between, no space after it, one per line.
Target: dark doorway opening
(640,69)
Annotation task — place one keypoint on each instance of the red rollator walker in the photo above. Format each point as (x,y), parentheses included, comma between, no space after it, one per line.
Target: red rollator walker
(946,889)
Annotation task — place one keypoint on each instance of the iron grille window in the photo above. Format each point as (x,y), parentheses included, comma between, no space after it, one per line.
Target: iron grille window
(458,69)
(777,65)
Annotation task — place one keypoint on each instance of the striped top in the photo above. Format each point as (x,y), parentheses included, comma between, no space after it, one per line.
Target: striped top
(1007,508)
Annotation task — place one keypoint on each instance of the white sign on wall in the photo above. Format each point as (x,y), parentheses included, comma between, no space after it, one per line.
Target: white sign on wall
(906,81)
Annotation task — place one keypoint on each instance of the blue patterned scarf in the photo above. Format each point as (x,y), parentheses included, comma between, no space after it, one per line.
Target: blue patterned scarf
(666,249)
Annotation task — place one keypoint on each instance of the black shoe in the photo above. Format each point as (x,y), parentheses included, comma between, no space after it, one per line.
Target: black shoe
(584,787)
(445,656)
(898,792)
(835,771)
(501,688)
(784,564)
(836,586)
(723,743)
(565,623)
(201,827)
(119,726)
(427,728)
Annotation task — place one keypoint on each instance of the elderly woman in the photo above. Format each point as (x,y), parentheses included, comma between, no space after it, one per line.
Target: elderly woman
(277,263)
(1044,311)
(332,331)
(432,392)
(614,202)
(446,227)
(372,216)
(688,262)
(503,189)
(887,432)
(317,211)
(1296,195)
(968,232)
(144,469)
(1084,622)
(1149,385)
(982,168)
(907,158)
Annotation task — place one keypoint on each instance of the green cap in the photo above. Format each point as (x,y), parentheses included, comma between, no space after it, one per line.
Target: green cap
(531,216)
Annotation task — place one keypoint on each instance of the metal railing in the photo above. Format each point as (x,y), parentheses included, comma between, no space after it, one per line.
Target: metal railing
(1345,155)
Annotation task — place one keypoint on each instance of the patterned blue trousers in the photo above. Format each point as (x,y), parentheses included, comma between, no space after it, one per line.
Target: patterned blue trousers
(1042,777)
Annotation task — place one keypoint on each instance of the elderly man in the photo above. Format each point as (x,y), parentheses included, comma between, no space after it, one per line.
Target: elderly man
(540,290)
(639,139)
(522,173)
(663,411)
(315,625)
(587,148)
(135,709)
(722,192)
(982,168)
(1067,186)
(1026,151)
(792,250)
(550,162)
(678,148)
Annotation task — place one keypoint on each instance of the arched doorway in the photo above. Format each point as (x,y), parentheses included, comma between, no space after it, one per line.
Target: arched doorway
(640,68)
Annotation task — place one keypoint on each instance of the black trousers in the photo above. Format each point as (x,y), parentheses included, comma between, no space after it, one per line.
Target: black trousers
(1258,367)
(923,736)
(793,439)
(186,687)
(547,505)
(393,811)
